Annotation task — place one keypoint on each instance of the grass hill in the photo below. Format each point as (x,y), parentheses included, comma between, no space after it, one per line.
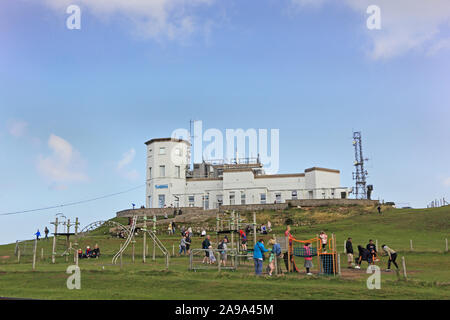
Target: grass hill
(428,265)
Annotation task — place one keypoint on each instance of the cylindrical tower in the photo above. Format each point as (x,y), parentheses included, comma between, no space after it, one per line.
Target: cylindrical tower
(167,161)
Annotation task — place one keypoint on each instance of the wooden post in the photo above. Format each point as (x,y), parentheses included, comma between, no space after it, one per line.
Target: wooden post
(18,255)
(275,256)
(154,237)
(217,226)
(288,253)
(54,241)
(76,225)
(232,230)
(42,254)
(345,249)
(34,254)
(76,257)
(218,260)
(446,245)
(404,268)
(339,263)
(411,245)
(132,249)
(144,239)
(173,250)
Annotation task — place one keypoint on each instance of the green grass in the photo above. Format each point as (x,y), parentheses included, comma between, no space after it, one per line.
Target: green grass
(428,267)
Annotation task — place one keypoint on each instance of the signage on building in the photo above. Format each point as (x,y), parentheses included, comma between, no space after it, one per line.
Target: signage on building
(162,186)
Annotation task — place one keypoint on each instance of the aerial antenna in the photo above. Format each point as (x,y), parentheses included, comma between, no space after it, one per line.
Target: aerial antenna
(360,174)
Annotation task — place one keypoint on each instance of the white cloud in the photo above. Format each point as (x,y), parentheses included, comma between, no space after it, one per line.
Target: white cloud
(127,159)
(17,128)
(159,19)
(64,164)
(405,24)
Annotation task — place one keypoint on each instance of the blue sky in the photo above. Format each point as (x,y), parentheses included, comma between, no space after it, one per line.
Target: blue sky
(74,104)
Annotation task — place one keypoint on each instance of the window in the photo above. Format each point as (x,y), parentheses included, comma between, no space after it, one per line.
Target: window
(162,150)
(278,197)
(294,195)
(242,197)
(178,152)
(232,200)
(150,172)
(219,200)
(149,202)
(162,171)
(161,200)
(191,201)
(263,198)
(177,171)
(311,195)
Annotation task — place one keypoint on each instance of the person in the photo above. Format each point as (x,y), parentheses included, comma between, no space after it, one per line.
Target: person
(392,256)
(88,252)
(244,240)
(169,228)
(203,233)
(174,227)
(96,251)
(247,230)
(269,226)
(274,254)
(80,253)
(183,231)
(183,245)
(180,212)
(308,258)
(37,234)
(379,209)
(188,242)
(364,255)
(212,258)
(258,254)
(223,251)
(190,230)
(323,236)
(46,231)
(373,250)
(205,246)
(165,214)
(349,250)
(263,229)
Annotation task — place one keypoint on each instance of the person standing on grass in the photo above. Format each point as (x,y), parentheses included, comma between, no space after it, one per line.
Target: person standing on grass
(349,250)
(258,254)
(37,234)
(392,256)
(46,231)
(323,236)
(183,245)
(308,258)
(188,243)
(212,258)
(205,246)
(274,254)
(174,227)
(379,209)
(223,251)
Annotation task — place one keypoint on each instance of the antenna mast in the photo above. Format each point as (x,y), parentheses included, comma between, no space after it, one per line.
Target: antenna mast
(360,174)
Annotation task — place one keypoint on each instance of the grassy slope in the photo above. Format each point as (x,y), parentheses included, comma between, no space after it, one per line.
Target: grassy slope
(428,267)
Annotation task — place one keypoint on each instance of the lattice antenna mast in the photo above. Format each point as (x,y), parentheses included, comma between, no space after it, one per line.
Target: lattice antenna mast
(360,174)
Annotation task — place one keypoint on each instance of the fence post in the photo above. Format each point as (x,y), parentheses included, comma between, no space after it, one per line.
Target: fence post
(339,263)
(411,245)
(121,265)
(18,255)
(404,268)
(446,245)
(34,254)
(42,254)
(132,249)
(345,249)
(144,241)
(218,260)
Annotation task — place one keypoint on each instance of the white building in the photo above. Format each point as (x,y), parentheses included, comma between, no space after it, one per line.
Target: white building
(208,185)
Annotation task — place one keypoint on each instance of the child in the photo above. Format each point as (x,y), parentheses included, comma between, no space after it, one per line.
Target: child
(372,250)
(212,258)
(392,256)
(323,236)
(244,240)
(308,258)
(275,252)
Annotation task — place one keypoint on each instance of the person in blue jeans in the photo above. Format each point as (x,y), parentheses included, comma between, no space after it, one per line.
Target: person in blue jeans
(258,252)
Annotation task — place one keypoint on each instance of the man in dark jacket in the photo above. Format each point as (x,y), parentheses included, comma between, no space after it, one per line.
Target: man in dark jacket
(364,255)
(349,250)
(205,246)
